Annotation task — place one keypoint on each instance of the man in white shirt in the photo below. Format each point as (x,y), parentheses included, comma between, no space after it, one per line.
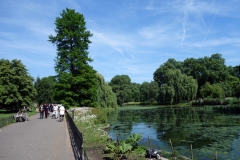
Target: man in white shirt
(61,112)
(55,110)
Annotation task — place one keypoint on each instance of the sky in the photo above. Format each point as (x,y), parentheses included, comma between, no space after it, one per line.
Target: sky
(130,37)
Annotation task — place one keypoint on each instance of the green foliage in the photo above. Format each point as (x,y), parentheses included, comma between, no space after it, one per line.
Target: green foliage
(159,74)
(176,87)
(106,98)
(149,91)
(45,89)
(136,95)
(76,83)
(123,146)
(237,90)
(117,150)
(237,71)
(214,101)
(16,85)
(121,86)
(101,116)
(133,139)
(212,91)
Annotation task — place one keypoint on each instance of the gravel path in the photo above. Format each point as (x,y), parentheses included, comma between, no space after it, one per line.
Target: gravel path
(37,139)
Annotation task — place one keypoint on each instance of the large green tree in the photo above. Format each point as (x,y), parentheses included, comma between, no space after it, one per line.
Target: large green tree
(45,89)
(121,86)
(207,69)
(16,85)
(149,91)
(176,87)
(171,63)
(76,80)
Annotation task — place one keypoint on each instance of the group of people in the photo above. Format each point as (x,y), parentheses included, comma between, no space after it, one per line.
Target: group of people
(51,109)
(22,114)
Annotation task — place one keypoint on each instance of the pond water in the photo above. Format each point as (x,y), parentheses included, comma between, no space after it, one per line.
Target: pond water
(209,129)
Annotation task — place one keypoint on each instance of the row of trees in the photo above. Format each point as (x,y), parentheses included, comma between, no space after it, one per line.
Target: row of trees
(176,81)
(78,84)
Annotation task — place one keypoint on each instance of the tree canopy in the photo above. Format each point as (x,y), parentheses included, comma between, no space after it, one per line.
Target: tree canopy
(16,85)
(45,89)
(76,83)
(106,98)
(121,86)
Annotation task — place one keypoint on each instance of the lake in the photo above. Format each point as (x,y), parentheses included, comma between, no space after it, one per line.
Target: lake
(209,129)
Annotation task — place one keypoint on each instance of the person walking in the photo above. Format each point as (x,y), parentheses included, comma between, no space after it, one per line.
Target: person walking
(45,106)
(61,112)
(55,111)
(41,110)
(51,108)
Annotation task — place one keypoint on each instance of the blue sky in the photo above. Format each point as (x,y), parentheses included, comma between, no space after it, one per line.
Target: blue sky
(130,37)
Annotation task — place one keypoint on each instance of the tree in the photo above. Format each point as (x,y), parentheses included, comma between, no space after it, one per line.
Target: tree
(45,89)
(76,80)
(121,86)
(106,98)
(16,85)
(211,91)
(176,87)
(237,91)
(149,91)
(208,69)
(158,75)
(237,71)
(136,92)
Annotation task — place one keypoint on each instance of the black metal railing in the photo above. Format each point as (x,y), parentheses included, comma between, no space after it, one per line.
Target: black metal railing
(76,139)
(6,121)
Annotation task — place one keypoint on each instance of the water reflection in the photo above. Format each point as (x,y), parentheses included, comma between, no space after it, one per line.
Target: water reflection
(208,129)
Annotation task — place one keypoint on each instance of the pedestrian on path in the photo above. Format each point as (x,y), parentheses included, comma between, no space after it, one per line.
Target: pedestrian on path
(61,112)
(45,106)
(55,111)
(41,110)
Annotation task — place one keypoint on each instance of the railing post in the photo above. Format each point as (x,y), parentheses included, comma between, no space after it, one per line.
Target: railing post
(73,114)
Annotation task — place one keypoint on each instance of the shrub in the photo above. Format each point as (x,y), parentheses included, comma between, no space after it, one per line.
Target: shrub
(212,101)
(101,116)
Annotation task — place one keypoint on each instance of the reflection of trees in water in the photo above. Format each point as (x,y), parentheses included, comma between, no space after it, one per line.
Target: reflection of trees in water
(203,127)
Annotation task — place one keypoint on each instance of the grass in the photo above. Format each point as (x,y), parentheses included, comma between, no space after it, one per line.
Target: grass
(92,135)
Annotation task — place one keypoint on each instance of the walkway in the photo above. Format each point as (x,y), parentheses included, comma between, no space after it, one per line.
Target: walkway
(37,139)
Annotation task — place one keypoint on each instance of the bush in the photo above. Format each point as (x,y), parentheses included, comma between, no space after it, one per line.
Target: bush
(212,101)
(101,116)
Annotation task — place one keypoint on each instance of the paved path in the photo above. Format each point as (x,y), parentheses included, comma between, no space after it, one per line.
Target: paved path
(37,139)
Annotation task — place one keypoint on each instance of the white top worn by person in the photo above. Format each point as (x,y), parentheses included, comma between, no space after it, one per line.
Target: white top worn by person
(55,110)
(62,110)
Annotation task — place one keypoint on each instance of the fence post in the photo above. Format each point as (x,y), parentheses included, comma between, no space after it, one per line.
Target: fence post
(191,152)
(171,147)
(73,114)
(149,143)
